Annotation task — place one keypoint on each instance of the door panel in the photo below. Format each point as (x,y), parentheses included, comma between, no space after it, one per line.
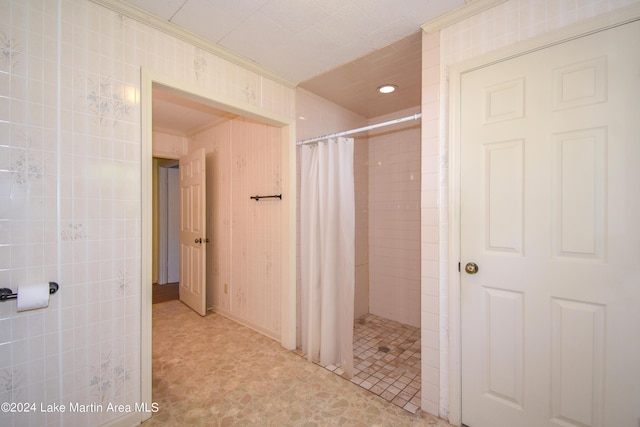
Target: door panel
(504,180)
(193,231)
(580,172)
(549,213)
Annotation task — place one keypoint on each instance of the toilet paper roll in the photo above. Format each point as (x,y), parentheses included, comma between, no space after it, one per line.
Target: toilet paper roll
(33,296)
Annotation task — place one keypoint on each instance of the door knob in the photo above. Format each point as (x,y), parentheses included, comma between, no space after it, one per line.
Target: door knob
(199,240)
(471,268)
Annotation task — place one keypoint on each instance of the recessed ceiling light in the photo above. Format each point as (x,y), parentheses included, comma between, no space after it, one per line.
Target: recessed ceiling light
(387,88)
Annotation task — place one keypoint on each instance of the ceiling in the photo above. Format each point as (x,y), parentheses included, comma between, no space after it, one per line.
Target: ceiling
(178,115)
(341,50)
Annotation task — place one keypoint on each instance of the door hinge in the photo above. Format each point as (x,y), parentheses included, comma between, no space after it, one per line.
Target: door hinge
(458,267)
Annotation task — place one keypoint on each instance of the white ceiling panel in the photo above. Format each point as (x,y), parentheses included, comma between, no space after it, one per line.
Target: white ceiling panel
(381,13)
(349,28)
(430,8)
(257,36)
(205,19)
(293,15)
(240,9)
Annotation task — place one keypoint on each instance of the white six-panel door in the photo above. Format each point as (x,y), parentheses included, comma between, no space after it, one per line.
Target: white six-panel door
(193,247)
(550,214)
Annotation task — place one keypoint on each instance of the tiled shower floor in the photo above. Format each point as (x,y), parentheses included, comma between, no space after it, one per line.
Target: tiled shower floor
(386,360)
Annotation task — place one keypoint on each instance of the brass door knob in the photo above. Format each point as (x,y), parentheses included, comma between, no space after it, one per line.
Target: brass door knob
(471,268)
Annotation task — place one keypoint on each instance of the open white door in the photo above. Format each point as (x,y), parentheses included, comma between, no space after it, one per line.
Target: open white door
(193,238)
(550,236)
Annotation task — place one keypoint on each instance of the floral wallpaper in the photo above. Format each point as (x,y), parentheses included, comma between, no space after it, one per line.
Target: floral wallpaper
(72,231)
(106,100)
(250,95)
(199,63)
(25,167)
(11,382)
(9,51)
(108,379)
(122,282)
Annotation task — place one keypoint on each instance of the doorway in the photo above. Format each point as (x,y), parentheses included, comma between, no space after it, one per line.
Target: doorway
(166,240)
(168,237)
(151,80)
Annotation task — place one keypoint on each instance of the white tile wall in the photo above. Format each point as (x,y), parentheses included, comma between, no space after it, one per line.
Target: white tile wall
(361,190)
(394,222)
(503,25)
(430,222)
(70,194)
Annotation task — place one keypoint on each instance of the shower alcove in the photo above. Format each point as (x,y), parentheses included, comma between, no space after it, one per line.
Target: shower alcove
(387,312)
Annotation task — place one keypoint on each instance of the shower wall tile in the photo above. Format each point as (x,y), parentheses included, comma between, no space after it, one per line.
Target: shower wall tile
(394,218)
(69,193)
(361,189)
(430,219)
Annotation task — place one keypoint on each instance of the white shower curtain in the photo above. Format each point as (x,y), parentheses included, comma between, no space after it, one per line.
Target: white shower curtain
(327,240)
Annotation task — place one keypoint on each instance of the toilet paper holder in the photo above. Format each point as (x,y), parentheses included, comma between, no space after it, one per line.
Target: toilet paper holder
(6,293)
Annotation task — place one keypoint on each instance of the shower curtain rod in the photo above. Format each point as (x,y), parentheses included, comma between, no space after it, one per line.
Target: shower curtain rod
(362,129)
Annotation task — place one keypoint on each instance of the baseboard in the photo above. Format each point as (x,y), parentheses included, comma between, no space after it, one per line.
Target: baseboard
(221,311)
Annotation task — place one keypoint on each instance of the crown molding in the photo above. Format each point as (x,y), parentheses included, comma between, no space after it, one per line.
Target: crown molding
(460,14)
(174,30)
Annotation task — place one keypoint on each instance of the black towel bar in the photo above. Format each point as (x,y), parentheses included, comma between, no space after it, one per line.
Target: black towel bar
(275,196)
(6,293)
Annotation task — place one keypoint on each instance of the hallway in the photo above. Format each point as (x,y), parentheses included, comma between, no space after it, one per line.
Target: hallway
(213,371)
(166,292)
